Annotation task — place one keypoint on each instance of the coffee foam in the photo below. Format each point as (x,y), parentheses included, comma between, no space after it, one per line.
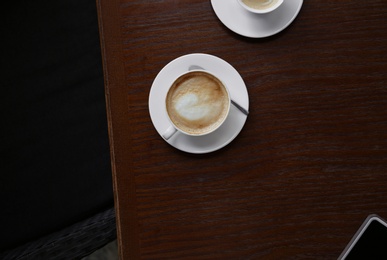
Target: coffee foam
(197,103)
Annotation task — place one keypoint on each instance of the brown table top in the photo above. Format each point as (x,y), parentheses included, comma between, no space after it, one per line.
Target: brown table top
(310,163)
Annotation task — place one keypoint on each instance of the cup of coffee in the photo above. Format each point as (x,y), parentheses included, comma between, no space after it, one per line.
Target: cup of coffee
(260,6)
(197,103)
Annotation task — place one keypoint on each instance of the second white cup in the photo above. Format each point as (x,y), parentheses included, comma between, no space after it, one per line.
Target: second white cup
(260,6)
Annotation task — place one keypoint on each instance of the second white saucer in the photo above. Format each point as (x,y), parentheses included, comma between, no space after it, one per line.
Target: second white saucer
(248,24)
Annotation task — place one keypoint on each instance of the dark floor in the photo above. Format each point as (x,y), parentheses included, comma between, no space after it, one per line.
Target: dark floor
(108,252)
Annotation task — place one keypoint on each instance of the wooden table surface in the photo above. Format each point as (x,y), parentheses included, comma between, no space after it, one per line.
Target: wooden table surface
(310,163)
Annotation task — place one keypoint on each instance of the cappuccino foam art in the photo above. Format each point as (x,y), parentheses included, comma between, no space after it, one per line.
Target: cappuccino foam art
(197,103)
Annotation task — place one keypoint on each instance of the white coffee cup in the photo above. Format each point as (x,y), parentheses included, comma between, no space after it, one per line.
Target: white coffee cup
(260,6)
(197,103)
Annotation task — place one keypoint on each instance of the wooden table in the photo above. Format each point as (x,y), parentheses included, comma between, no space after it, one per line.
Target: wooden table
(309,164)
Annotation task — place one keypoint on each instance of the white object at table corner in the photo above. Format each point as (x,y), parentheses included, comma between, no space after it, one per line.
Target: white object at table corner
(235,120)
(248,24)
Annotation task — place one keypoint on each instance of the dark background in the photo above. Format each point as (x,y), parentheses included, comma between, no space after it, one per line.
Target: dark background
(55,165)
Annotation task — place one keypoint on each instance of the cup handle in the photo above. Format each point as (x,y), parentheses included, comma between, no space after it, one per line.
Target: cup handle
(169,133)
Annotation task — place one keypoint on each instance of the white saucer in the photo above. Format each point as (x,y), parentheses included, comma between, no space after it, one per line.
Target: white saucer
(248,24)
(225,133)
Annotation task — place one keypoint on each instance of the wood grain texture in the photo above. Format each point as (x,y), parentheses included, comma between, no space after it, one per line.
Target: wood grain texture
(307,168)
